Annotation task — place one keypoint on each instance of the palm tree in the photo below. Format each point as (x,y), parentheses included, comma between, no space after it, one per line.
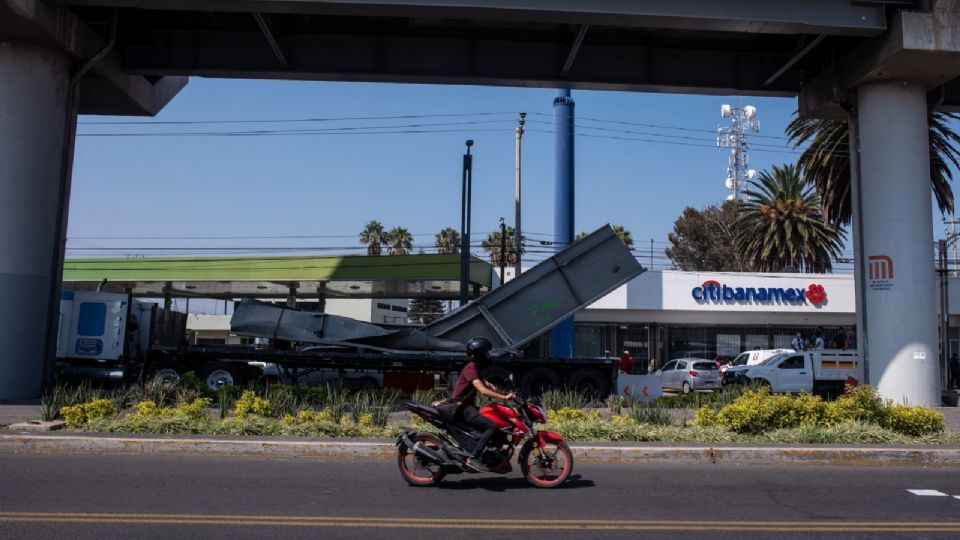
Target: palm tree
(448,241)
(492,246)
(825,162)
(780,225)
(399,240)
(622,233)
(372,235)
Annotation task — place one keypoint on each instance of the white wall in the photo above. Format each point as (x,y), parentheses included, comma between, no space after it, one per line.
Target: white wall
(355,308)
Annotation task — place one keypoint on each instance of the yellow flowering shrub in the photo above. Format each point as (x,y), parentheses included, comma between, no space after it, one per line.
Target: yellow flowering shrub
(77,415)
(566,414)
(250,404)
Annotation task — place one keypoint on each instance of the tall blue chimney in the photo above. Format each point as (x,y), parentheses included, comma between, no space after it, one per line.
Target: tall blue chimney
(561,339)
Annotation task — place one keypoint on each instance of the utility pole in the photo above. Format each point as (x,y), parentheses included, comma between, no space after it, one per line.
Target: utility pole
(503,250)
(944,314)
(516,197)
(465,225)
(651,254)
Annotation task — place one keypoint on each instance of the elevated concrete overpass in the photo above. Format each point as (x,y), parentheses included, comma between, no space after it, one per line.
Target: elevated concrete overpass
(879,63)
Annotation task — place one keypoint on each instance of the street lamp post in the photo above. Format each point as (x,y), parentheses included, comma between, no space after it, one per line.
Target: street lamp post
(465,225)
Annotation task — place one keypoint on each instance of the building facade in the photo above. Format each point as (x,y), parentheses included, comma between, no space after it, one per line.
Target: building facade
(662,315)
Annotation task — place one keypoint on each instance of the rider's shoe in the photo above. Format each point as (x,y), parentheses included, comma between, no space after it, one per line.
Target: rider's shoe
(474,465)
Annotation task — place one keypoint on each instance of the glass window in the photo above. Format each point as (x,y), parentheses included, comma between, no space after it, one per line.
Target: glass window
(794,362)
(706,366)
(742,359)
(670,366)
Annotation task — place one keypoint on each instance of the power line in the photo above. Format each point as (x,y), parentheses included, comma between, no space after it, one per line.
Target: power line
(289,120)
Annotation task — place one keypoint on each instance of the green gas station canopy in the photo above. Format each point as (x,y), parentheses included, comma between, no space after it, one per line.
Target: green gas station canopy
(407,276)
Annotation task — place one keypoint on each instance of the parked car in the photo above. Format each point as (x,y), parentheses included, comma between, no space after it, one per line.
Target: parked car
(690,374)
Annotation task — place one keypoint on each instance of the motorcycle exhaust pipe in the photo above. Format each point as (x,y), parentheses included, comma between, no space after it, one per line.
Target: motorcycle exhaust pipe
(421,450)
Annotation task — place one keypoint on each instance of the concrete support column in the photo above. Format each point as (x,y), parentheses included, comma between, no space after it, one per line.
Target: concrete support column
(897,250)
(37,118)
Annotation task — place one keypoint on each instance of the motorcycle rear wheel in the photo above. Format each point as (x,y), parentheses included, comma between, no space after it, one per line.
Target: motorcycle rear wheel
(549,469)
(416,470)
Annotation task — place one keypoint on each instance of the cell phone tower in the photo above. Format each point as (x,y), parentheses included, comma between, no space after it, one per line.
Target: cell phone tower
(743,120)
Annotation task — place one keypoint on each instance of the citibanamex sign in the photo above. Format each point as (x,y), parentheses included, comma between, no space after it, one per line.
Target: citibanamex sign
(717,293)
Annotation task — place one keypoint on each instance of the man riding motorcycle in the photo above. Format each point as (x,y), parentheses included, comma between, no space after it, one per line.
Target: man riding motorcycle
(462,403)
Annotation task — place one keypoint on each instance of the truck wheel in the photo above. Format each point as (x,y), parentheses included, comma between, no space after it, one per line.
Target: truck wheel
(590,382)
(216,376)
(166,372)
(498,377)
(538,380)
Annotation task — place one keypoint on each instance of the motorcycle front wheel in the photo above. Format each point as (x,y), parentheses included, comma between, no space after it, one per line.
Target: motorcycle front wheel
(548,466)
(415,469)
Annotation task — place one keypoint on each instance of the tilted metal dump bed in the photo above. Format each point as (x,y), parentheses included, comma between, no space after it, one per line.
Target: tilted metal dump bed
(510,316)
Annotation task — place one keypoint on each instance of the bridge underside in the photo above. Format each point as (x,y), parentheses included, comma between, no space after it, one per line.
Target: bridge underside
(746,47)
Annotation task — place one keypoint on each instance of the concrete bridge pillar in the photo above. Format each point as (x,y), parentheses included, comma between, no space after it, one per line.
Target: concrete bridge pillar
(898,265)
(37,123)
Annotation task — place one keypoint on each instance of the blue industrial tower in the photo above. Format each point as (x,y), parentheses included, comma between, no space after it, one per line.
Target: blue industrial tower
(561,338)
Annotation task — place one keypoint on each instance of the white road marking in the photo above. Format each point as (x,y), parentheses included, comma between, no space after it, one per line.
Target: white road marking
(928,492)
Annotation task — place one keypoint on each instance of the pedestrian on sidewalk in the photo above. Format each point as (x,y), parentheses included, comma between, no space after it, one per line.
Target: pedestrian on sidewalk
(626,362)
(954,372)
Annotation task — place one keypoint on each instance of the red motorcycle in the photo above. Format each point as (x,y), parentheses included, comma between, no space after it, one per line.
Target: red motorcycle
(425,458)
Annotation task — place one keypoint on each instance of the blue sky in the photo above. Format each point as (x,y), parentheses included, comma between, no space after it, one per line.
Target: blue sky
(329,186)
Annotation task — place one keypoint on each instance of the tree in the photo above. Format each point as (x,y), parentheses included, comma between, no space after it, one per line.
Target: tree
(424,310)
(622,233)
(780,225)
(448,241)
(399,240)
(492,246)
(703,240)
(825,162)
(372,235)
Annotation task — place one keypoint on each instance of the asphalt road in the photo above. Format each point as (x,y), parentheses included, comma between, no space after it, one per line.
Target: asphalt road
(124,496)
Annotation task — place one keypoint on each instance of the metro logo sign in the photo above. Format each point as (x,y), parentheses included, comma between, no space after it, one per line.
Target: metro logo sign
(880,272)
(712,291)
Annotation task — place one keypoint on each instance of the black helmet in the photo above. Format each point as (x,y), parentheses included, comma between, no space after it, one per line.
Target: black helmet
(479,347)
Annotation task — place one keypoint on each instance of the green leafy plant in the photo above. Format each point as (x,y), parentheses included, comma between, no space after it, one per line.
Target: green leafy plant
(559,398)
(649,413)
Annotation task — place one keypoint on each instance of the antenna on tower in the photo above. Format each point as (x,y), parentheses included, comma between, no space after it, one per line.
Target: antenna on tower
(743,120)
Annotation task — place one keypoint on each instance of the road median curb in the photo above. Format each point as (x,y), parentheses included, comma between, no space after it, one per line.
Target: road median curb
(383,450)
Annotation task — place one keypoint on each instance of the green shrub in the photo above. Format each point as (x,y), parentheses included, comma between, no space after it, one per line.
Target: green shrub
(250,404)
(78,415)
(757,411)
(913,421)
(615,404)
(375,406)
(565,399)
(857,404)
(190,381)
(649,413)
(426,397)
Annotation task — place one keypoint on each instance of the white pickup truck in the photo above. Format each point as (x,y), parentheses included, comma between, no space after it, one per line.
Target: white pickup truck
(825,371)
